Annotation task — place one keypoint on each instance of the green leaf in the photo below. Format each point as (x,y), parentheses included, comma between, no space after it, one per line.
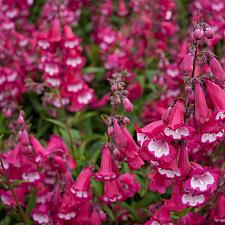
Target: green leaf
(32,202)
(56,122)
(109,212)
(147,199)
(5,221)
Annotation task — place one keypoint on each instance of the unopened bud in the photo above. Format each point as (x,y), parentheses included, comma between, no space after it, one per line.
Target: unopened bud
(126,121)
(110,131)
(209,33)
(128,106)
(198,34)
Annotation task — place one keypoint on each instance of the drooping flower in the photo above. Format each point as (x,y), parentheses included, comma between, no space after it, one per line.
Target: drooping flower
(107,170)
(81,187)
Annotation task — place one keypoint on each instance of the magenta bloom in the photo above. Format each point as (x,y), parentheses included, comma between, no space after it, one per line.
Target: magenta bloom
(112,192)
(81,187)
(176,128)
(106,172)
(201,181)
(216,69)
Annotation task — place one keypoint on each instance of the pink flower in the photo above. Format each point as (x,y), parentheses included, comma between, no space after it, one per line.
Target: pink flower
(160,217)
(106,172)
(201,181)
(129,184)
(81,187)
(216,69)
(112,192)
(192,200)
(218,214)
(217,96)
(187,63)
(128,106)
(202,111)
(192,218)
(158,183)
(176,128)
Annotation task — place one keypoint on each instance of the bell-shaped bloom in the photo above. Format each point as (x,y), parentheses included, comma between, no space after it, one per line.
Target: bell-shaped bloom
(128,106)
(218,214)
(131,151)
(211,131)
(84,215)
(217,96)
(193,200)
(174,203)
(216,69)
(55,32)
(120,138)
(187,64)
(57,146)
(81,187)
(8,199)
(192,218)
(112,192)
(122,9)
(183,162)
(68,209)
(158,183)
(201,181)
(106,172)
(202,111)
(71,41)
(160,217)
(40,214)
(176,128)
(158,150)
(95,217)
(129,184)
(169,170)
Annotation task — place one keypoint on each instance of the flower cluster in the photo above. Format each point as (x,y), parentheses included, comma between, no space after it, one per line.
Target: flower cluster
(61,62)
(186,126)
(17,55)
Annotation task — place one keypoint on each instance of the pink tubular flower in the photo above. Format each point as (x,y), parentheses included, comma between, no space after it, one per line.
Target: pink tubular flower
(112,192)
(131,151)
(158,150)
(128,106)
(216,69)
(169,170)
(120,138)
(192,200)
(57,146)
(106,171)
(160,217)
(158,183)
(202,111)
(218,214)
(192,218)
(176,128)
(187,63)
(217,96)
(81,187)
(40,214)
(129,184)
(183,162)
(201,181)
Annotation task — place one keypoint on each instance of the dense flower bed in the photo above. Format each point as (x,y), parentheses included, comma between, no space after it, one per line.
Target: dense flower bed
(112,112)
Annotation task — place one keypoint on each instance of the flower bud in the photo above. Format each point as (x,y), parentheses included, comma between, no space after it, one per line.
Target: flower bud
(198,34)
(128,106)
(126,120)
(209,33)
(114,87)
(110,131)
